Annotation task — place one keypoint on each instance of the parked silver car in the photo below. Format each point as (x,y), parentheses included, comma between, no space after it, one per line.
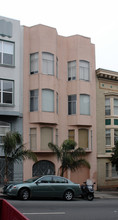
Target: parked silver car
(45,186)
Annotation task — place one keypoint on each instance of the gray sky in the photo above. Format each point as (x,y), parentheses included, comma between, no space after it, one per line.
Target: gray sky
(97,19)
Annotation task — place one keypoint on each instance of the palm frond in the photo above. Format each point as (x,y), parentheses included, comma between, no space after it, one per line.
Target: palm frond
(24,154)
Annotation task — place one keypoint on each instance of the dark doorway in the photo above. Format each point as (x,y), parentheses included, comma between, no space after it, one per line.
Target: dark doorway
(43,167)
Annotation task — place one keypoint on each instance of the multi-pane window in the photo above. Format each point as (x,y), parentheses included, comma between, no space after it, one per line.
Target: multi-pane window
(34,100)
(107,106)
(4,128)
(84,104)
(71,104)
(46,137)
(71,135)
(7,53)
(108,136)
(71,70)
(6,92)
(115,135)
(47,100)
(83,138)
(48,63)
(34,63)
(84,70)
(33,139)
(115,106)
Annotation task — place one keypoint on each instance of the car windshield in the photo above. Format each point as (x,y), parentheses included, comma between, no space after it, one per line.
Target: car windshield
(31,180)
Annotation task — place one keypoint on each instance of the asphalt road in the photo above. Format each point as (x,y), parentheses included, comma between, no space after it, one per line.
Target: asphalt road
(78,209)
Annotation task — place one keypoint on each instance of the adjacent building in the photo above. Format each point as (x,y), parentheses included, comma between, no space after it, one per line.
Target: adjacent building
(59,99)
(107,126)
(11,90)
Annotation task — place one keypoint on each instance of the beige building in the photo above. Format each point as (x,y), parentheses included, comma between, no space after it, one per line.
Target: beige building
(107,126)
(59,98)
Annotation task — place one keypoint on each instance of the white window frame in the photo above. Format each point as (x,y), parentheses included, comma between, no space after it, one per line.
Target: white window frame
(34,57)
(47,63)
(72,99)
(108,137)
(4,92)
(115,106)
(34,100)
(47,100)
(7,48)
(84,104)
(72,70)
(84,70)
(4,128)
(107,106)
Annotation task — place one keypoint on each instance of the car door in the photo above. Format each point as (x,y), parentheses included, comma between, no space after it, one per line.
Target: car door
(60,185)
(43,187)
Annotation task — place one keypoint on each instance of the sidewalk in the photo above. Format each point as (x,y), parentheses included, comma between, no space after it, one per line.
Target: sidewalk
(106,194)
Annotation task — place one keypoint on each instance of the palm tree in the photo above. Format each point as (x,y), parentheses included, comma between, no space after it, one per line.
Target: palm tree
(14,150)
(69,156)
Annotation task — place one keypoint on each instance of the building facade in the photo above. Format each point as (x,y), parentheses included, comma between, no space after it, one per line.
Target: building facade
(11,90)
(107,126)
(59,99)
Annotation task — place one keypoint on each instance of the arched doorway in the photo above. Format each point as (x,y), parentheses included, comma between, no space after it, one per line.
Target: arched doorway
(43,167)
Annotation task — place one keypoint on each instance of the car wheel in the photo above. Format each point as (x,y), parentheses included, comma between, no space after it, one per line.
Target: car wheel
(90,196)
(24,194)
(68,196)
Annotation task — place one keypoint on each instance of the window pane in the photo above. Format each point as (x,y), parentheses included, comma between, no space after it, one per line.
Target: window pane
(107,121)
(107,106)
(34,100)
(4,128)
(115,136)
(114,172)
(56,67)
(57,102)
(115,121)
(7,86)
(84,71)
(7,53)
(84,104)
(48,63)
(108,137)
(83,138)
(115,106)
(33,137)
(71,104)
(47,100)
(72,70)
(34,63)
(6,94)
(71,135)
(7,98)
(46,137)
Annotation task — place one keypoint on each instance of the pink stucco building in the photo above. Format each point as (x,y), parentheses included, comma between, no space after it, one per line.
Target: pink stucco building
(59,98)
